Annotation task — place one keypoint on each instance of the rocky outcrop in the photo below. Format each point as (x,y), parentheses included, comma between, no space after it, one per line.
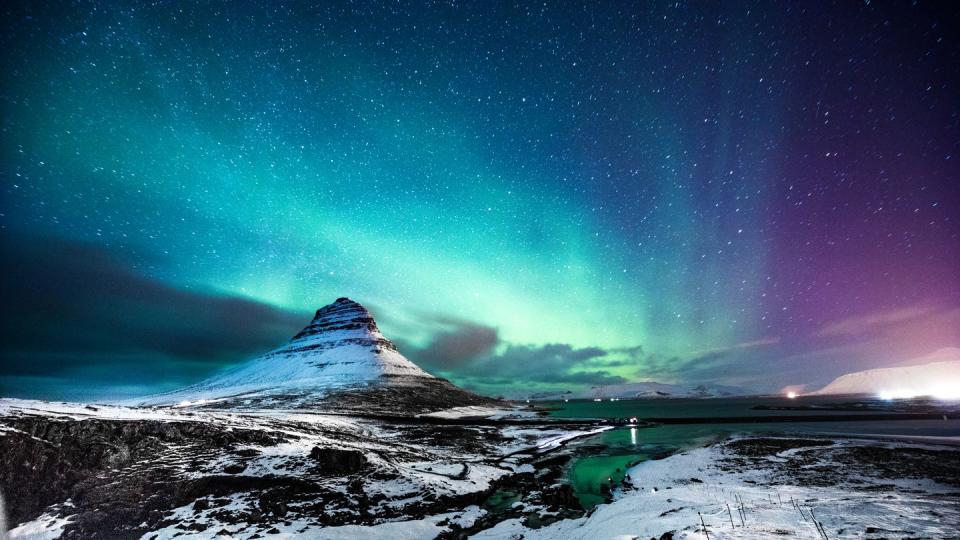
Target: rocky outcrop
(121,469)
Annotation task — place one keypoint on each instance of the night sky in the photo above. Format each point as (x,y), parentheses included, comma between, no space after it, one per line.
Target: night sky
(528,196)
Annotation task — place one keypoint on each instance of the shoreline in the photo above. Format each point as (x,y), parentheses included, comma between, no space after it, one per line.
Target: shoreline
(769,486)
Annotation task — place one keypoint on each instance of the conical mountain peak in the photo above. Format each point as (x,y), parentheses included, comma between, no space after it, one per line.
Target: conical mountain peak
(342,347)
(343,321)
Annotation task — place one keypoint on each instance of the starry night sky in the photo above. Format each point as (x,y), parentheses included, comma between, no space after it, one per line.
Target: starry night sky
(527,196)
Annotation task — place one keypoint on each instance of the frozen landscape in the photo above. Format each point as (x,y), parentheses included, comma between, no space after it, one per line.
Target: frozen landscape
(84,470)
(77,471)
(777,487)
(337,435)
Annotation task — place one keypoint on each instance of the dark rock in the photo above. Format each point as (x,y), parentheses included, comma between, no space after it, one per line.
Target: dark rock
(338,462)
(561,495)
(235,468)
(355,486)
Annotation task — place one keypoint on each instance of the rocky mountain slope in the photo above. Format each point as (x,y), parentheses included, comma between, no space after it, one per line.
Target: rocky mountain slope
(340,361)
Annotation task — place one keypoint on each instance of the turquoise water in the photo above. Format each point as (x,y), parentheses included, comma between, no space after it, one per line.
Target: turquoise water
(607,456)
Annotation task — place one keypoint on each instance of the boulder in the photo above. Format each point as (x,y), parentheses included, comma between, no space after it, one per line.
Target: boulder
(336,462)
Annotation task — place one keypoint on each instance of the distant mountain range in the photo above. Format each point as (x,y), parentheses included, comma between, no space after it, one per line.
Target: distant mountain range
(936,379)
(340,360)
(645,390)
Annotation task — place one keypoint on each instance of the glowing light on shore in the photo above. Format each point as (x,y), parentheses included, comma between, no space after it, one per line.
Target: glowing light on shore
(791,395)
(945,392)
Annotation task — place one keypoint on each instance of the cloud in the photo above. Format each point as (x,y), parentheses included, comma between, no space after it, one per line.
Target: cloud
(473,355)
(867,323)
(454,345)
(73,309)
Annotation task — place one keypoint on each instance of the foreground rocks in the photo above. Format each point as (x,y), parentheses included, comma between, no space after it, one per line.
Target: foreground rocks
(246,474)
(46,461)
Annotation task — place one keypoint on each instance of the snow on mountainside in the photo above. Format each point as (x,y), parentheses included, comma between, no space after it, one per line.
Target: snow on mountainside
(937,379)
(341,354)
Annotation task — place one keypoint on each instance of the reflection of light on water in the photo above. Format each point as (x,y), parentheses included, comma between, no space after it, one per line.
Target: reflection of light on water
(633,436)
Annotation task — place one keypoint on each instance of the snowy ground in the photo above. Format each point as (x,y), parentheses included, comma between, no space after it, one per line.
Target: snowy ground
(423,480)
(753,497)
(280,489)
(49,526)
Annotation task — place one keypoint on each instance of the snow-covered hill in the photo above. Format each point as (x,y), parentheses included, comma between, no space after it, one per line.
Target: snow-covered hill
(937,379)
(338,356)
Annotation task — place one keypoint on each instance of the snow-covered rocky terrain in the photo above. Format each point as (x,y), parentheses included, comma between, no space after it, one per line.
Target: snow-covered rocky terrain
(935,379)
(82,471)
(752,488)
(340,361)
(79,471)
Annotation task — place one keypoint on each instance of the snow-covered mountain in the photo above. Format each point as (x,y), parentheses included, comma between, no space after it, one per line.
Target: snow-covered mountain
(937,379)
(341,359)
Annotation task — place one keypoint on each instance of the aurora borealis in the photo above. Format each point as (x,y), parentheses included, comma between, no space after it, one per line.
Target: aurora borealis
(535,195)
